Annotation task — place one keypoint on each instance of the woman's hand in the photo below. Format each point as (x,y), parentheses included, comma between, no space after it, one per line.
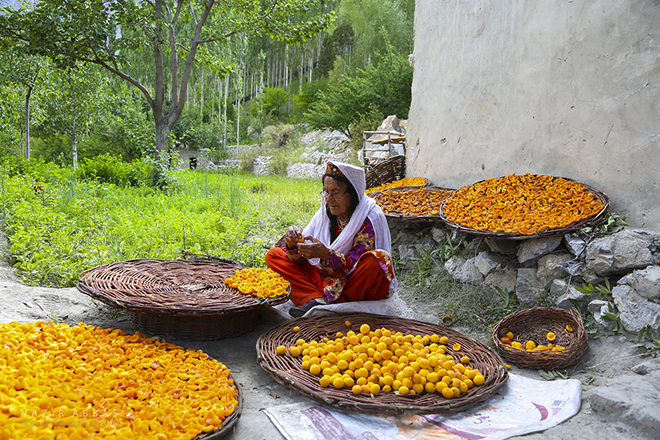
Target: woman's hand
(313,248)
(292,236)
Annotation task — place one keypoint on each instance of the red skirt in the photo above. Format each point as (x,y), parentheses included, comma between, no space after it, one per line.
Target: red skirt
(368,281)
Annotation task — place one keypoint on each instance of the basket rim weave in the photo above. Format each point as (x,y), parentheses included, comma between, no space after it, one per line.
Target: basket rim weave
(534,323)
(245,302)
(287,370)
(589,221)
(396,215)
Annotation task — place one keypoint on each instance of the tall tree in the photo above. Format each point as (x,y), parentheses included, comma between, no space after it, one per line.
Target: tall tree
(75,96)
(25,72)
(172,32)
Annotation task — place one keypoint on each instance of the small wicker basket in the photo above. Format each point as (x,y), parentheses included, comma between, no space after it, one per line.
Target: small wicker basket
(288,370)
(533,325)
(183,299)
(387,171)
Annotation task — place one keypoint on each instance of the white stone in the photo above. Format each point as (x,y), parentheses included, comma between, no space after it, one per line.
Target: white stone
(636,312)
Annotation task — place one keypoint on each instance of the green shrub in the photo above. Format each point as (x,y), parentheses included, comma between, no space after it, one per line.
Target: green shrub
(111,169)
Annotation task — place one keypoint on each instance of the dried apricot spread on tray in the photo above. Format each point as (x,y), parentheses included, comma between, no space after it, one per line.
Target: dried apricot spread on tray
(383,361)
(524,204)
(408,181)
(414,202)
(259,282)
(77,382)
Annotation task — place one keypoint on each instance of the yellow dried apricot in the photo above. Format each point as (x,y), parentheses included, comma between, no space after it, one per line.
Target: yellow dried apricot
(407,181)
(263,283)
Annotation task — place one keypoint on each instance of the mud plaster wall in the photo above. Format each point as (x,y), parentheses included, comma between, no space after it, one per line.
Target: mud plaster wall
(560,88)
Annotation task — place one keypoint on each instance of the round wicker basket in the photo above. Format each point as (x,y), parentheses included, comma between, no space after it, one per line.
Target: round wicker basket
(590,221)
(434,193)
(533,325)
(288,371)
(387,171)
(183,299)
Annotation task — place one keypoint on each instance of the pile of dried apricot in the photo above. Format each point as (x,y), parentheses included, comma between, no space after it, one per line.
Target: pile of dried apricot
(263,283)
(385,361)
(530,345)
(415,202)
(524,204)
(407,181)
(76,382)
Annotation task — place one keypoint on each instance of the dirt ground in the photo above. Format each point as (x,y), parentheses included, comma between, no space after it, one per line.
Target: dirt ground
(620,389)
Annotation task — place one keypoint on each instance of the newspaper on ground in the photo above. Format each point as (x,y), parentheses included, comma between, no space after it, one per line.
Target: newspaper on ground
(521,407)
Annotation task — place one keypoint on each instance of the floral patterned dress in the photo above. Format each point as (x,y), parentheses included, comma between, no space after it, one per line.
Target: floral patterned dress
(336,270)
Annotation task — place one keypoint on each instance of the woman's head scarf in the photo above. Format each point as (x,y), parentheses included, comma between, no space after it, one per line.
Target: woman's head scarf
(319,226)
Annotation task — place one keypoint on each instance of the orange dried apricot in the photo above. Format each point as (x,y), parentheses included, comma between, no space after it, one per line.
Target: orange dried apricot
(521,204)
(414,203)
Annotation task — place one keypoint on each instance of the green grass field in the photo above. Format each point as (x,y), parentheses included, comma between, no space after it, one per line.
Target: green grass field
(58,225)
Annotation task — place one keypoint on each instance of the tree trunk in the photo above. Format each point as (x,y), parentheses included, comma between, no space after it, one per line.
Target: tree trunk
(219,101)
(74,147)
(224,137)
(201,97)
(27,122)
(301,73)
(73,134)
(238,114)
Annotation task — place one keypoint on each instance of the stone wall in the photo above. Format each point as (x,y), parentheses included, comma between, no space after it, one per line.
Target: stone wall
(552,268)
(567,89)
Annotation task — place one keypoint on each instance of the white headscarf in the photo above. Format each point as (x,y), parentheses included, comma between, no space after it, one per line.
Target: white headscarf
(319,226)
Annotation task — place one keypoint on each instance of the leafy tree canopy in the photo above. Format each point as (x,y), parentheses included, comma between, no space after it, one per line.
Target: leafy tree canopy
(173,34)
(384,87)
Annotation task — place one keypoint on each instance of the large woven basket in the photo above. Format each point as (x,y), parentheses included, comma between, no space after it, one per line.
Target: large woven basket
(229,422)
(288,371)
(184,299)
(387,171)
(403,193)
(534,324)
(590,221)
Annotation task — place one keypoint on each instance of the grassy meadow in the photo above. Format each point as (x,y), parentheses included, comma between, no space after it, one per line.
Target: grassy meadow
(58,224)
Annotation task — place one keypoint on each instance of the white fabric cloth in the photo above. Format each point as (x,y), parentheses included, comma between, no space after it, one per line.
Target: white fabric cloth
(319,226)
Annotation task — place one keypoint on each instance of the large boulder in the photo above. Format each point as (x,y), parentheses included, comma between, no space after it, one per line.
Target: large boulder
(622,252)
(528,287)
(531,250)
(637,297)
(552,266)
(464,271)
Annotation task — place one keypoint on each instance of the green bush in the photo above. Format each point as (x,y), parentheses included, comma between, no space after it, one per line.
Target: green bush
(111,169)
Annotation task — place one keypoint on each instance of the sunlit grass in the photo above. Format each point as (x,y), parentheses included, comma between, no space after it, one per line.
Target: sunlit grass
(73,225)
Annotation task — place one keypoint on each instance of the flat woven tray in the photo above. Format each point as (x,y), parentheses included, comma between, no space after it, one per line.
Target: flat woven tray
(229,422)
(288,371)
(405,193)
(590,221)
(534,324)
(387,171)
(186,299)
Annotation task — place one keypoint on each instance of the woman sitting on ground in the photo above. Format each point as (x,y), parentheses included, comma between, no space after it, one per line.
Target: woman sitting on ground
(344,252)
